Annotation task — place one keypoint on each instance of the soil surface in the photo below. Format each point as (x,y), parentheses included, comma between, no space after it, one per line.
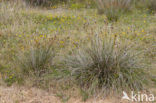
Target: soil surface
(16,94)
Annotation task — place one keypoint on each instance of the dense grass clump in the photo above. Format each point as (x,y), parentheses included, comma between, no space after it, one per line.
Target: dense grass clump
(113,8)
(36,61)
(107,66)
(152,5)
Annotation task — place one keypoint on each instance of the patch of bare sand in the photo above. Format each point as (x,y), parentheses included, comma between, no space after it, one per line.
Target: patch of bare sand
(16,94)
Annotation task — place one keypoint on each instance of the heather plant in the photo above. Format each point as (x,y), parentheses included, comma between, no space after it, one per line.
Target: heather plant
(106,65)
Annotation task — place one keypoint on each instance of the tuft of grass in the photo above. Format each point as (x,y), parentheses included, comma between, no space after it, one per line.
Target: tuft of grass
(36,61)
(106,65)
(113,8)
(152,6)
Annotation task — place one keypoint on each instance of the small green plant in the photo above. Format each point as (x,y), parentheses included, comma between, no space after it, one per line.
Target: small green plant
(106,65)
(9,76)
(113,8)
(10,80)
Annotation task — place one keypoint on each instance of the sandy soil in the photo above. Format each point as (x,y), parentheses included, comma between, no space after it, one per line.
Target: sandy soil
(26,95)
(15,94)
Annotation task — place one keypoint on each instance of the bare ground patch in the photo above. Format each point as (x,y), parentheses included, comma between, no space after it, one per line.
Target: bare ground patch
(16,94)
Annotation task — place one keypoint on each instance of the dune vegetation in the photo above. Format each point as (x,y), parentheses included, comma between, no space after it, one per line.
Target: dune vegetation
(84,48)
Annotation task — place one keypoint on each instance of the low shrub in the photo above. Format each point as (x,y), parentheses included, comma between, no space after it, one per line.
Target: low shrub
(113,8)
(106,66)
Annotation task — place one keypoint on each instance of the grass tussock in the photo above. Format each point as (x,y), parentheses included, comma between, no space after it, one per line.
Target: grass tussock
(35,66)
(152,6)
(36,61)
(106,65)
(113,9)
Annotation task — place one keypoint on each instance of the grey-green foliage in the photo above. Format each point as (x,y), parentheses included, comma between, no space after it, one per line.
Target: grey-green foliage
(36,61)
(106,65)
